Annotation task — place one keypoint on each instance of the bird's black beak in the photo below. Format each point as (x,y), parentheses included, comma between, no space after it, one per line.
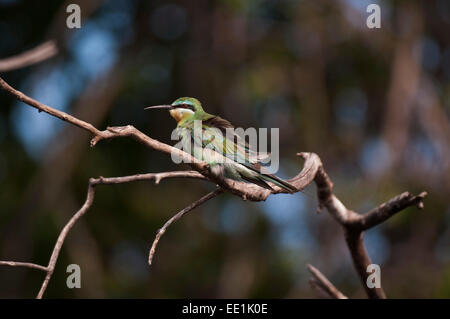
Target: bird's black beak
(168,107)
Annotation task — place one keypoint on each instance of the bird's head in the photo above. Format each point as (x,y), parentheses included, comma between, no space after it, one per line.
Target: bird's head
(182,108)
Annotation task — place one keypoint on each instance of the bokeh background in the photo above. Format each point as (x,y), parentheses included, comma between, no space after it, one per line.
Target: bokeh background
(373,103)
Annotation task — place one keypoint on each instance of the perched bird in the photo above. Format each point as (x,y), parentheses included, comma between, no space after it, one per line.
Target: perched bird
(228,155)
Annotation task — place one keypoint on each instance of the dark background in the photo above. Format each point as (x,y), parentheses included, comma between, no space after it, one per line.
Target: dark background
(373,103)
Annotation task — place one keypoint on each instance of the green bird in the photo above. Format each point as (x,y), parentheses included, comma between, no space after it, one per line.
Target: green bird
(227,155)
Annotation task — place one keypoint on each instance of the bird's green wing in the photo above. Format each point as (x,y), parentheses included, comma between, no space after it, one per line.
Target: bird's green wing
(214,147)
(213,138)
(233,146)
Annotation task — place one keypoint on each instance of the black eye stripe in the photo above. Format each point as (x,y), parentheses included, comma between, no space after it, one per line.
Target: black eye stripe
(187,106)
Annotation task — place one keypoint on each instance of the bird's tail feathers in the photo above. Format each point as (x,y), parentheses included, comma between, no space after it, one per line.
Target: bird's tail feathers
(279,182)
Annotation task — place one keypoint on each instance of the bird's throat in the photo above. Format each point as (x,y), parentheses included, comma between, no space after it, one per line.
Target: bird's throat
(180,114)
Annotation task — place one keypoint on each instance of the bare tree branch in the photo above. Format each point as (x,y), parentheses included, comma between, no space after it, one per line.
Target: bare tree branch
(20,264)
(38,54)
(353,223)
(62,237)
(242,189)
(176,217)
(157,177)
(321,282)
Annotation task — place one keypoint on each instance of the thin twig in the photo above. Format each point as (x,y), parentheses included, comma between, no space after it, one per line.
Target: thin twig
(388,209)
(176,217)
(324,284)
(38,54)
(157,177)
(20,264)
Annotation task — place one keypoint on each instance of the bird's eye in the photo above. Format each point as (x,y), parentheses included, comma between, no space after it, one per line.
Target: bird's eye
(187,106)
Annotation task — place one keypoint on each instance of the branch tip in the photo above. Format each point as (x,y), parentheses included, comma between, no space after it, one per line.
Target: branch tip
(320,281)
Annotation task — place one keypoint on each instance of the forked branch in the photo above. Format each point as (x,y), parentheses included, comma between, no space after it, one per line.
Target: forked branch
(354,224)
(93,182)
